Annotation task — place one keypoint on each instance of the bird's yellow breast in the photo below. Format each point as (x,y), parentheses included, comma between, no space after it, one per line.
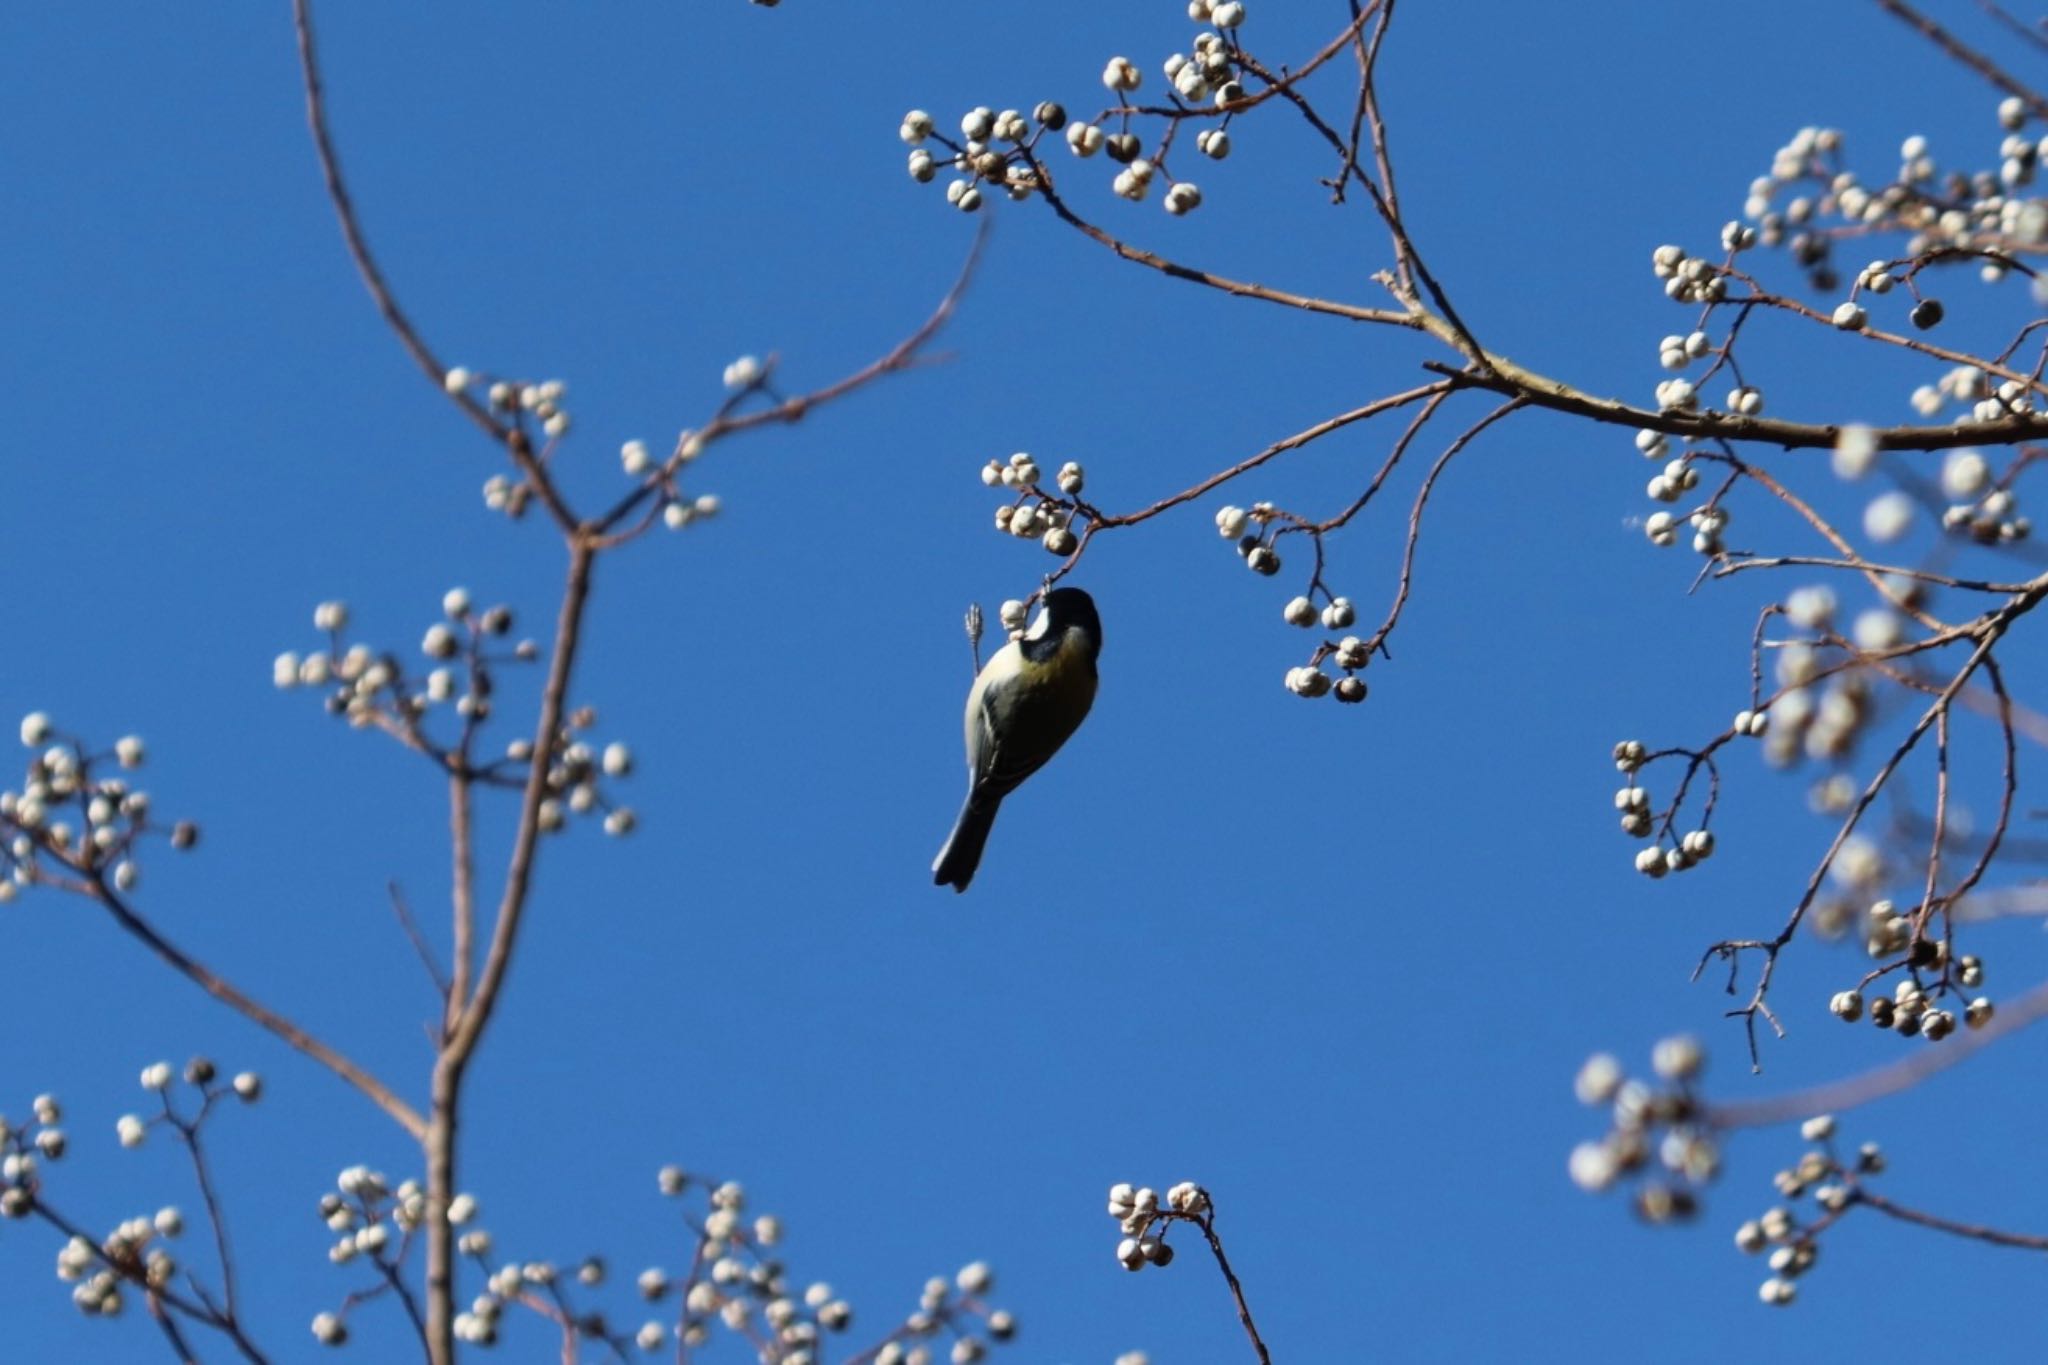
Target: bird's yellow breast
(1030,706)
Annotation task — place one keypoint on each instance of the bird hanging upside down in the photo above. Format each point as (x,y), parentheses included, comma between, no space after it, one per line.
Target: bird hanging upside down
(1031,695)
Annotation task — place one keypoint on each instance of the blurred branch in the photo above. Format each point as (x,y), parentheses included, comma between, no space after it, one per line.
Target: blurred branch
(1881,1082)
(1870,1198)
(216,1216)
(158,1297)
(418,940)
(462,895)
(220,988)
(1967,55)
(2027,33)
(172,1334)
(475,1014)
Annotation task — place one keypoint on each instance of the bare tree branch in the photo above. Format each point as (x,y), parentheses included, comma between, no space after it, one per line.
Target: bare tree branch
(225,991)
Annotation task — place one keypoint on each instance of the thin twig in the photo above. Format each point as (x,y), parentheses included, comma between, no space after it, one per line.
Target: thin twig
(1974,1231)
(395,1277)
(418,940)
(1880,1082)
(2026,32)
(220,988)
(1244,1309)
(1496,372)
(511,437)
(183,1350)
(216,1215)
(203,1313)
(1967,55)
(1734,564)
(1379,478)
(902,356)
(1299,439)
(352,232)
(1379,637)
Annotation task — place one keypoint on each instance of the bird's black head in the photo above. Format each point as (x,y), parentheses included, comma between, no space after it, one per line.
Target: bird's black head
(1070,607)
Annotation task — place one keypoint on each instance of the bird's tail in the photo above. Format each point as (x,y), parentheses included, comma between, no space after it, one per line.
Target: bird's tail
(962,854)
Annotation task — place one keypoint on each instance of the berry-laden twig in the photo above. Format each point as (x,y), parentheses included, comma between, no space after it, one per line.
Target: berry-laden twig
(1146,1222)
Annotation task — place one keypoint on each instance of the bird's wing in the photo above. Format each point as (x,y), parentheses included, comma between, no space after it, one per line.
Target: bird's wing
(980,729)
(1000,672)
(994,771)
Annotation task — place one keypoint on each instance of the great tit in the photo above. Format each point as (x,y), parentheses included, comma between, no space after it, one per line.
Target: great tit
(1030,696)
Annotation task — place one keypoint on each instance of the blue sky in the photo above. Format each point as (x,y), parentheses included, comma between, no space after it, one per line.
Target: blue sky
(1336,965)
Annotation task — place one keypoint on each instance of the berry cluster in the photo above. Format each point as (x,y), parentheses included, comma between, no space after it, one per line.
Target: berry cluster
(1145,1221)
(1660,1119)
(999,150)
(1927,978)
(520,401)
(528,410)
(466,650)
(75,821)
(1806,205)
(1669,851)
(1835,1184)
(736,1281)
(136,1253)
(1258,550)
(1035,513)
(1810,200)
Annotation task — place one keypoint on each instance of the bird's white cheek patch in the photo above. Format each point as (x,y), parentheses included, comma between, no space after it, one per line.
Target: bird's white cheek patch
(1040,626)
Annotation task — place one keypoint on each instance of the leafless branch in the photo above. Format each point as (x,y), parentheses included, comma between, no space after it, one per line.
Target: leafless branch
(223,990)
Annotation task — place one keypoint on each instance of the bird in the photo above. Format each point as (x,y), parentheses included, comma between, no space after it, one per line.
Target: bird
(1026,702)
